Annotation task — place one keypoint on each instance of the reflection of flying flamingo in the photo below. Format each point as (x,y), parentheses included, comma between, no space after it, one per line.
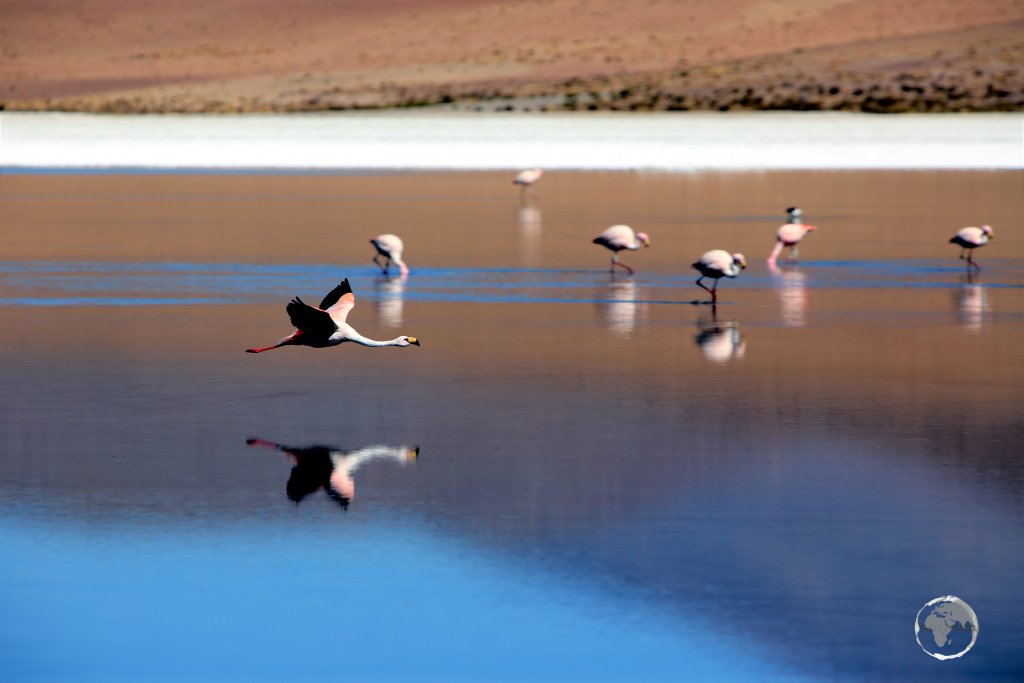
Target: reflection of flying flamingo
(389,299)
(527,178)
(391,248)
(717,264)
(326,326)
(619,237)
(792,293)
(790,234)
(331,469)
(970,239)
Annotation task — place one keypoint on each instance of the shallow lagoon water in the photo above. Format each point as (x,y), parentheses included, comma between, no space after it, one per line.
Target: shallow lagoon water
(613,482)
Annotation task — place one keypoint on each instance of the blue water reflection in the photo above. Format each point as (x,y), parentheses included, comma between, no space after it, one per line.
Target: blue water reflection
(385,599)
(85,283)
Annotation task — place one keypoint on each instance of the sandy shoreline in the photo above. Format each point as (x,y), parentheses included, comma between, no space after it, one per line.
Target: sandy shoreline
(256,56)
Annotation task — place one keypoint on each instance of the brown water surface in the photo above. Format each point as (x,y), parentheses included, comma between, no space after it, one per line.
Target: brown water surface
(838,439)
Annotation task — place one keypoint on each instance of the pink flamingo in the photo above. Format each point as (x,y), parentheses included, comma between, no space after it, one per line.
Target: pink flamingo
(527,178)
(619,237)
(970,239)
(790,234)
(390,247)
(717,264)
(325,326)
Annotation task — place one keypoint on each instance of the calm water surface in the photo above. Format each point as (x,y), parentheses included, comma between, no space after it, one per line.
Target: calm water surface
(612,482)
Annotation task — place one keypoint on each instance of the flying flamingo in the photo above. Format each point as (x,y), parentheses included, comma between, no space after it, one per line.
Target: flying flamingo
(970,239)
(619,237)
(790,234)
(390,247)
(326,326)
(717,264)
(527,178)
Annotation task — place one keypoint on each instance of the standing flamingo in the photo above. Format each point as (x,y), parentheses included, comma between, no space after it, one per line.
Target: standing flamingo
(619,237)
(717,264)
(790,234)
(390,247)
(970,239)
(325,326)
(527,178)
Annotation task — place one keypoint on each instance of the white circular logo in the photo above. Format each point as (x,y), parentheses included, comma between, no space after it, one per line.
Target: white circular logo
(946,627)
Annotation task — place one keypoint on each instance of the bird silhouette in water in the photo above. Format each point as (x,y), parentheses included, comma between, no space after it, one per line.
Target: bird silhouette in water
(330,468)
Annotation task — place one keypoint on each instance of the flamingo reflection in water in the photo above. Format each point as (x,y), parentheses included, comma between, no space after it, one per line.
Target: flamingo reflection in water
(620,307)
(531,227)
(389,299)
(330,468)
(720,341)
(972,304)
(791,286)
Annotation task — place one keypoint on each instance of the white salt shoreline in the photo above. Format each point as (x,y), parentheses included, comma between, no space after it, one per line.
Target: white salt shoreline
(432,140)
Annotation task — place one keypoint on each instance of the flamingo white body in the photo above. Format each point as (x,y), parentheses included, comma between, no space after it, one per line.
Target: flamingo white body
(621,237)
(790,233)
(969,239)
(717,264)
(528,177)
(390,247)
(325,326)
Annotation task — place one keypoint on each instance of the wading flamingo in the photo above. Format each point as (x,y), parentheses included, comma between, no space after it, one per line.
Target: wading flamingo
(391,248)
(790,234)
(527,178)
(619,237)
(326,326)
(717,264)
(970,239)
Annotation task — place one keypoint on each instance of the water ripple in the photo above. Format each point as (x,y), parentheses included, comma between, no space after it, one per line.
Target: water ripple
(39,283)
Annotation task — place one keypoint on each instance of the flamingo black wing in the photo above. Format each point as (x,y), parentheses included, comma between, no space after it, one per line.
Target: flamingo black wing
(306,318)
(335,294)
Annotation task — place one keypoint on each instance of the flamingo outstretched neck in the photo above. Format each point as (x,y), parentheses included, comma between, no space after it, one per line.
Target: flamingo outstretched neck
(325,325)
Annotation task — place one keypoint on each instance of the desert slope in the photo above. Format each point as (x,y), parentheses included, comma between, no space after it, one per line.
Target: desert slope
(264,55)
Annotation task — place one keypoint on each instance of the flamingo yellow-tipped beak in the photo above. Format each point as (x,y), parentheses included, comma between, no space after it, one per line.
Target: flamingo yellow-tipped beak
(413,453)
(647,242)
(414,341)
